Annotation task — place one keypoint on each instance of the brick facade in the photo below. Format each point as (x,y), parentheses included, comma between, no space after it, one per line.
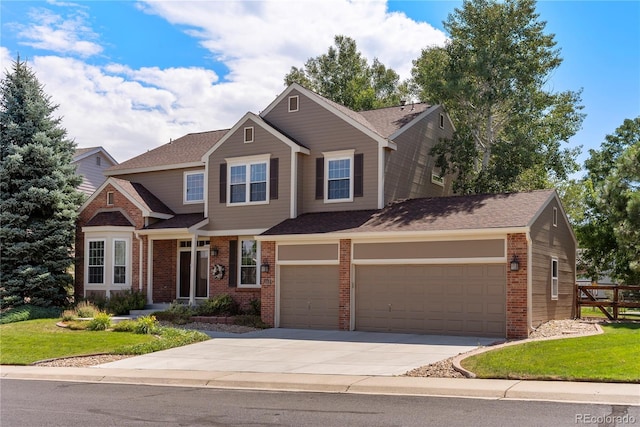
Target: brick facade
(268,290)
(517,294)
(345,284)
(165,274)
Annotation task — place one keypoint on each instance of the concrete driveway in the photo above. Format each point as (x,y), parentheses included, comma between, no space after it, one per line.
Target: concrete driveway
(308,352)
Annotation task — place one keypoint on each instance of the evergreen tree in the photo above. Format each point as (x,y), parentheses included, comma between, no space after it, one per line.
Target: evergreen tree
(38,196)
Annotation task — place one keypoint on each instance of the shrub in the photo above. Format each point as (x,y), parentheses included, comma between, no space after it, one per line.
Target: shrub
(124,302)
(101,321)
(255,307)
(146,325)
(222,305)
(250,320)
(86,309)
(28,312)
(68,315)
(125,326)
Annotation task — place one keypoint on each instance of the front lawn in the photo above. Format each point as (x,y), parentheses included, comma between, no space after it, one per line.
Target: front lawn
(26,342)
(608,357)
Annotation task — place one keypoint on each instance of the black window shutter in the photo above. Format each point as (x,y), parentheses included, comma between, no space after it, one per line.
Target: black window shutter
(233,263)
(273,179)
(320,178)
(358,178)
(223,183)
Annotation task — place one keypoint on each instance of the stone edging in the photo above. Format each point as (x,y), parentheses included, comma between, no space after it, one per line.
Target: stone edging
(468,374)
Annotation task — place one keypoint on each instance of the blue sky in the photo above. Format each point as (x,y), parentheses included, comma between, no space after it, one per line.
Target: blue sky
(130,75)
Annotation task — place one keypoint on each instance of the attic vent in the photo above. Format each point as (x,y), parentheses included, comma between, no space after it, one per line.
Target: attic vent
(293,103)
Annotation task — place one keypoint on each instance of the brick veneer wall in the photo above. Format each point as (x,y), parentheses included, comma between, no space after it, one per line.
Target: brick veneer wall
(268,290)
(99,202)
(517,302)
(345,284)
(165,273)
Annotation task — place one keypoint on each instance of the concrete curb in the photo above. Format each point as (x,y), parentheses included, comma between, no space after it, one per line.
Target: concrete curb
(459,358)
(601,393)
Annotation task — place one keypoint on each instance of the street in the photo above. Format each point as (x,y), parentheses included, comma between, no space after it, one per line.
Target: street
(55,403)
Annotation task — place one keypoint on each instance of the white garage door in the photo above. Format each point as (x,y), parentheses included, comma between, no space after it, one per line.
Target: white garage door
(432,299)
(309,297)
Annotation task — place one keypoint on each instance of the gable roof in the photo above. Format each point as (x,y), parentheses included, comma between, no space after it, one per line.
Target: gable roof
(82,153)
(109,218)
(433,214)
(389,120)
(186,151)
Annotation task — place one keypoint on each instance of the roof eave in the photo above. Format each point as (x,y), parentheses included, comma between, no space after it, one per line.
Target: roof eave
(110,172)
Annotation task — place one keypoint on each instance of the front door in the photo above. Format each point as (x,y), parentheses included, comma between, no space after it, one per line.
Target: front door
(202,268)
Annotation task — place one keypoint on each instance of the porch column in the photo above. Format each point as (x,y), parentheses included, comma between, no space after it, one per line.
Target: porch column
(149,270)
(194,263)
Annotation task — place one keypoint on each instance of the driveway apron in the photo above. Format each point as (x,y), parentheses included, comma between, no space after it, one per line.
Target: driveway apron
(308,352)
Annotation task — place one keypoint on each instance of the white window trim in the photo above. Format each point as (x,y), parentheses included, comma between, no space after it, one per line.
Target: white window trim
(555,217)
(202,246)
(297,98)
(332,156)
(248,161)
(437,179)
(184,187)
(110,198)
(109,257)
(555,279)
(441,122)
(246,140)
(258,263)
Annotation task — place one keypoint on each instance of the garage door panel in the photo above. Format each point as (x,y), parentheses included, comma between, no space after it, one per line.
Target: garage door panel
(437,299)
(309,297)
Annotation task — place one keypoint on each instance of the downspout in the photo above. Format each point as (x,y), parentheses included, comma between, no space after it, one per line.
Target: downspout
(140,255)
(529,281)
(149,270)
(192,267)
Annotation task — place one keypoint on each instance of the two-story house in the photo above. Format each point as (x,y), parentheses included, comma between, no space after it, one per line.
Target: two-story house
(91,162)
(334,219)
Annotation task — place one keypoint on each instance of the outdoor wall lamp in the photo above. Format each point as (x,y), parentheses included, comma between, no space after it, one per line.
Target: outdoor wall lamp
(264,268)
(214,251)
(515,263)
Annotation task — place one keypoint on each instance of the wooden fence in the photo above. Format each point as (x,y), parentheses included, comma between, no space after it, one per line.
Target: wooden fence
(584,297)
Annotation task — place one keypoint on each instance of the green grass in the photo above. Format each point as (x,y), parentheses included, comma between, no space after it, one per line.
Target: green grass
(608,357)
(27,342)
(629,314)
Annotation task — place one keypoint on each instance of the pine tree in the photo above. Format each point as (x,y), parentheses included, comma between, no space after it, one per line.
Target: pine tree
(38,196)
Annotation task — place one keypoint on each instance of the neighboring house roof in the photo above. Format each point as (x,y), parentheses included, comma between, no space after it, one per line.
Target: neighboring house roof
(186,151)
(387,121)
(82,153)
(145,198)
(178,221)
(111,218)
(475,212)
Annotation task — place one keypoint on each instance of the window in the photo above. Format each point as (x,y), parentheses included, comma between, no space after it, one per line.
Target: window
(193,187)
(441,121)
(120,261)
(109,198)
(554,278)
(293,103)
(437,179)
(98,160)
(339,181)
(96,261)
(248,262)
(555,217)
(248,134)
(248,181)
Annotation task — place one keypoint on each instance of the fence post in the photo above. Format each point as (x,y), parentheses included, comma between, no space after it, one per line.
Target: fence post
(615,303)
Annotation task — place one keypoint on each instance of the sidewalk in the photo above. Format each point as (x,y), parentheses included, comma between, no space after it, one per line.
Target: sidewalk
(600,393)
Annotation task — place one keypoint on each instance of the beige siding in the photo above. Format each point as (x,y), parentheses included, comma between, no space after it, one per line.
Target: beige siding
(408,169)
(168,186)
(321,131)
(415,250)
(223,217)
(549,241)
(324,252)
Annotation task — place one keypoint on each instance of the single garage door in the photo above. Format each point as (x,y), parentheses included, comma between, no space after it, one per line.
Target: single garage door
(432,299)
(309,297)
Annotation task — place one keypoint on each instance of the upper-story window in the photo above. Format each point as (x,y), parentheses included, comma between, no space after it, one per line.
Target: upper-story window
(294,103)
(193,187)
(248,134)
(98,161)
(339,176)
(248,180)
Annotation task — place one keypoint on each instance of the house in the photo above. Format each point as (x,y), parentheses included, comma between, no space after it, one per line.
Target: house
(90,164)
(333,219)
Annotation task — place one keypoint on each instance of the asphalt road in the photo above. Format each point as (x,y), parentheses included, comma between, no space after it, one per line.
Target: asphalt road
(51,403)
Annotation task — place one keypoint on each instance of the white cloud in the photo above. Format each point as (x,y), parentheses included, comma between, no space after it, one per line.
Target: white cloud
(53,32)
(129,111)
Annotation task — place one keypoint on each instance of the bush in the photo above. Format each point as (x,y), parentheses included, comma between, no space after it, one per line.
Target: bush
(125,326)
(251,321)
(100,322)
(86,309)
(222,305)
(176,313)
(123,302)
(255,307)
(28,312)
(146,325)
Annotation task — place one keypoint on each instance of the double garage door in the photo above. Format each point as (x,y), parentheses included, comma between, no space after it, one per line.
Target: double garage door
(467,299)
